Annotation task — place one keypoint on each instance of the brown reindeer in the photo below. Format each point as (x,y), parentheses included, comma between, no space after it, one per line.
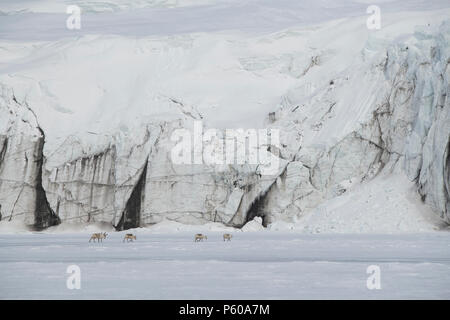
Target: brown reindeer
(200,237)
(129,237)
(227,237)
(98,236)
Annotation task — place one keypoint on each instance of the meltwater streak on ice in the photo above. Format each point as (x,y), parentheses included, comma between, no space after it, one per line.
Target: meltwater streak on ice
(249,16)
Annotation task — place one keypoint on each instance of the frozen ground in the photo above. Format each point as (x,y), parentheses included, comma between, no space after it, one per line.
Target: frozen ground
(255,265)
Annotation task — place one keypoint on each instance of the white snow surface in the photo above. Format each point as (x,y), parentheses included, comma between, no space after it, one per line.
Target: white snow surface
(261,265)
(386,204)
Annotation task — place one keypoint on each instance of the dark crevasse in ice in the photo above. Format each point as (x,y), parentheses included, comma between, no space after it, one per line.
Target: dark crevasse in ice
(131,216)
(447,177)
(44,216)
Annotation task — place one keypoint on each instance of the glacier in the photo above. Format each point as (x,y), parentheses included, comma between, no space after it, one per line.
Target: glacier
(87,121)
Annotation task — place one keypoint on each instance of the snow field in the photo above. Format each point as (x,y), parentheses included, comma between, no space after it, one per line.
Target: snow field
(257,265)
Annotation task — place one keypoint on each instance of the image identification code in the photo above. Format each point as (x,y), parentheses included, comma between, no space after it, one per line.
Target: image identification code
(234,309)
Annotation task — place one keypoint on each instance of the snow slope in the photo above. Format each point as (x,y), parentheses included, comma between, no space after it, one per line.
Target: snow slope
(386,204)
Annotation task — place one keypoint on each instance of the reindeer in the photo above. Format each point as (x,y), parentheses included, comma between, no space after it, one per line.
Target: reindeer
(98,236)
(129,237)
(200,237)
(227,237)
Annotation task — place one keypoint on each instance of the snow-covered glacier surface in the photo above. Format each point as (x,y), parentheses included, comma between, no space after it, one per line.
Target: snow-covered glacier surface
(87,116)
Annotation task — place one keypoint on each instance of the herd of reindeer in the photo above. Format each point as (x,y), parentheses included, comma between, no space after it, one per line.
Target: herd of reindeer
(131,237)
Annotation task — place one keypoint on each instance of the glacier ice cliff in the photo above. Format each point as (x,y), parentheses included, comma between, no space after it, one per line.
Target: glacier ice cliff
(405,126)
(21,165)
(388,111)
